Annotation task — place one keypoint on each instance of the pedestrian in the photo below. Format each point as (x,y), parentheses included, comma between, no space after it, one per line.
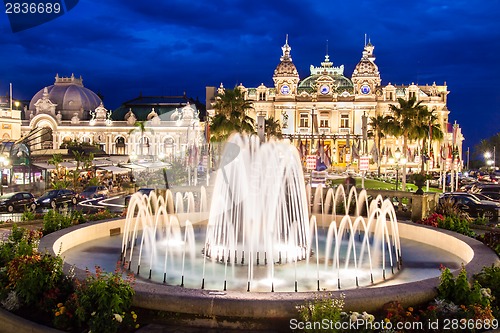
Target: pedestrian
(350,182)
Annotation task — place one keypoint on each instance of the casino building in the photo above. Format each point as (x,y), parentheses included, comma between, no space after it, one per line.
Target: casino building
(330,110)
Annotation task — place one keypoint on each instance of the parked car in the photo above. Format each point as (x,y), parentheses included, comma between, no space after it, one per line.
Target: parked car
(94,192)
(17,201)
(145,191)
(495,196)
(488,188)
(54,198)
(474,207)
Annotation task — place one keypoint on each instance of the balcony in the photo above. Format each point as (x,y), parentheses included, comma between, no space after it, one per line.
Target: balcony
(344,130)
(324,130)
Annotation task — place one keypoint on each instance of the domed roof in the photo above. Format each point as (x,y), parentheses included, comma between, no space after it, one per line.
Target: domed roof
(286,66)
(70,96)
(340,81)
(365,66)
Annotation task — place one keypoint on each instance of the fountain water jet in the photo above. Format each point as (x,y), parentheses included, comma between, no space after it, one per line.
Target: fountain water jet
(259,230)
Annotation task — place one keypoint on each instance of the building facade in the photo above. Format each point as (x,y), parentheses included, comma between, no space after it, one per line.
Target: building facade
(330,111)
(152,130)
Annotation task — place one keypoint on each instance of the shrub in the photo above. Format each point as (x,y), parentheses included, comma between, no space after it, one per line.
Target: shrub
(491,239)
(448,207)
(489,278)
(53,220)
(432,220)
(457,224)
(21,241)
(28,215)
(322,308)
(103,301)
(458,290)
(37,279)
(103,214)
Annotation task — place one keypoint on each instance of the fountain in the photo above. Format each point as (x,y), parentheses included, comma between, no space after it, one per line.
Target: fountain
(267,244)
(259,230)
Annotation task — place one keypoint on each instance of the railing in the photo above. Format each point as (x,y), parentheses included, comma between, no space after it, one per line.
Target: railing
(11,218)
(409,205)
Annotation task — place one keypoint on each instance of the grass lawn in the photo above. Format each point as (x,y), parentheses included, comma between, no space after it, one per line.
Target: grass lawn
(380,185)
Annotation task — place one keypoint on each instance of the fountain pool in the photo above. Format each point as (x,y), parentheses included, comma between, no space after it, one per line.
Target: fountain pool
(266,244)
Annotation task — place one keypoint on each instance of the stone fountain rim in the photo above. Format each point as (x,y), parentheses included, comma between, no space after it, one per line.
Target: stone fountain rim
(280,305)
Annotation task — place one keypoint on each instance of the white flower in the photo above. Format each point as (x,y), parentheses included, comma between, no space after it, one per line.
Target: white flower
(118,318)
(93,313)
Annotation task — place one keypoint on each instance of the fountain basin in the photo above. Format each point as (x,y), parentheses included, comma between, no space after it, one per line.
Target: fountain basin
(265,310)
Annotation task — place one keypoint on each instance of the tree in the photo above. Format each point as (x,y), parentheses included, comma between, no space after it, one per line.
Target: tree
(141,127)
(56,161)
(231,115)
(403,123)
(379,125)
(426,127)
(488,145)
(273,128)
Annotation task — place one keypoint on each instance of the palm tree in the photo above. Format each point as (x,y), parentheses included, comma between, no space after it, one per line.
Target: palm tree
(379,125)
(404,124)
(426,127)
(231,115)
(141,127)
(273,128)
(56,160)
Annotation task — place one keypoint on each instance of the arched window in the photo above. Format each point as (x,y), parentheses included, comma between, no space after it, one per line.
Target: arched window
(47,139)
(169,148)
(120,145)
(144,145)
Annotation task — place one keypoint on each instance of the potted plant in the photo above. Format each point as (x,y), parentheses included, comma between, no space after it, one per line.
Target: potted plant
(419,180)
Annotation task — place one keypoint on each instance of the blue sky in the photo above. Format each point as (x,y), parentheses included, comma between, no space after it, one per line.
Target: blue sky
(124,47)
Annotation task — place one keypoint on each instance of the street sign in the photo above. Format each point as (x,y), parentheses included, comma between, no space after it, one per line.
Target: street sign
(364,163)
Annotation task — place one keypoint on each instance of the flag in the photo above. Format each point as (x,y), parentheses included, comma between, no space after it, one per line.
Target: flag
(455,134)
(327,156)
(442,153)
(300,148)
(322,154)
(374,153)
(355,151)
(207,131)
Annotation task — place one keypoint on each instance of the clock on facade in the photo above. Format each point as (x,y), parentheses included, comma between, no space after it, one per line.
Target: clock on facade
(285,90)
(365,89)
(324,89)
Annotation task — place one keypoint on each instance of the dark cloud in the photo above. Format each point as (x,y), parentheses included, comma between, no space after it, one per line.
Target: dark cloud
(124,47)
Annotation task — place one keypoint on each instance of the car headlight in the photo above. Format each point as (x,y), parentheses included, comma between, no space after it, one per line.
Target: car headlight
(45,200)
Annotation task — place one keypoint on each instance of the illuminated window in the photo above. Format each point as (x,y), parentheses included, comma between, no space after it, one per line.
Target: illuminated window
(304,120)
(344,121)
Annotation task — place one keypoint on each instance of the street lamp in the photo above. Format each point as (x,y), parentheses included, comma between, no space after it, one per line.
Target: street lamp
(487,158)
(4,163)
(398,160)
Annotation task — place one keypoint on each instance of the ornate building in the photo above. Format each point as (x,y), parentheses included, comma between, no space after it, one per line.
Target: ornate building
(330,111)
(67,112)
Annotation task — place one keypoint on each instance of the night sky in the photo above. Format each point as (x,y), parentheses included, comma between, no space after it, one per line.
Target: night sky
(124,47)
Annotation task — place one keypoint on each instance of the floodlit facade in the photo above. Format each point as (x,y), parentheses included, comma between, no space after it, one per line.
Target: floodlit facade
(329,111)
(67,112)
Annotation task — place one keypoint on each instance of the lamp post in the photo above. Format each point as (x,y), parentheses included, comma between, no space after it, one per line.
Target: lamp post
(487,159)
(4,163)
(398,161)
